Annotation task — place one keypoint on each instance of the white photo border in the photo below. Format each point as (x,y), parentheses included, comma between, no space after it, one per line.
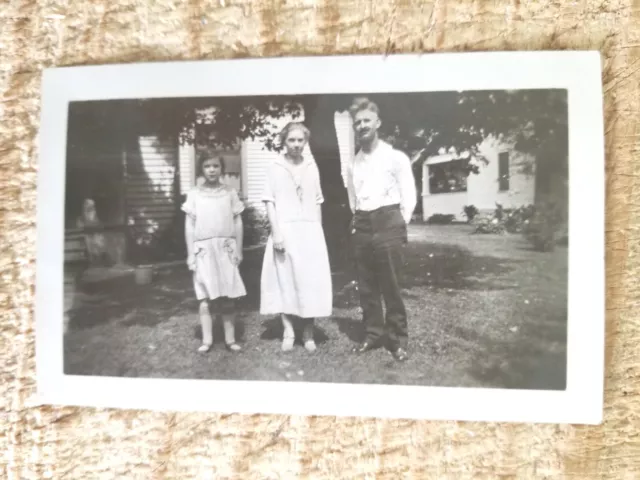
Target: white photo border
(577,71)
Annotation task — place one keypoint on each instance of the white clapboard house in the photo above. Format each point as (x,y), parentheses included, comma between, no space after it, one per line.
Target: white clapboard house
(505,176)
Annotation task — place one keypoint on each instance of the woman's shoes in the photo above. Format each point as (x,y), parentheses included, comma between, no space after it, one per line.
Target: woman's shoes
(310,345)
(232,347)
(287,343)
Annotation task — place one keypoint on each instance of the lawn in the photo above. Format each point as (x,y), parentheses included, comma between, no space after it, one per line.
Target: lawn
(484,311)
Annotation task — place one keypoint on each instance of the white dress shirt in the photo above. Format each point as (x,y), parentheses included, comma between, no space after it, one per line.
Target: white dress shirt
(380,178)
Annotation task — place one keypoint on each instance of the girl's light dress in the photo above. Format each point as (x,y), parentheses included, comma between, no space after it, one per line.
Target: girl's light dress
(214,212)
(298,281)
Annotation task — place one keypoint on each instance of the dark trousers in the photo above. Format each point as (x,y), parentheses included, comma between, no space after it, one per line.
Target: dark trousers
(379,238)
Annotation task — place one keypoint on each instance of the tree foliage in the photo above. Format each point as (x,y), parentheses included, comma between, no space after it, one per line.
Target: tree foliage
(419,123)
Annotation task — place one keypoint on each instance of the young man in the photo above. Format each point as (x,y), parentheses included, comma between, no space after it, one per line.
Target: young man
(382,196)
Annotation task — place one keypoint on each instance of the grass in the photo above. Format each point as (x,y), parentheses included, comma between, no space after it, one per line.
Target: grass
(484,311)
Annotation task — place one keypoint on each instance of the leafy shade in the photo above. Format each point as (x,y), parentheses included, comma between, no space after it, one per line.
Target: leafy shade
(534,120)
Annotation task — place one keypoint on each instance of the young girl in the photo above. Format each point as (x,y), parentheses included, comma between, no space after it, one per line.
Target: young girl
(214,236)
(296,279)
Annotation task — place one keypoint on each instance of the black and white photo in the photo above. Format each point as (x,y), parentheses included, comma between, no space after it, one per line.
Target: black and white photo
(316,241)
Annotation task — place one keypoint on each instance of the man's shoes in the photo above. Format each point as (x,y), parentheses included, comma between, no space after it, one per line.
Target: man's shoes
(365,347)
(400,354)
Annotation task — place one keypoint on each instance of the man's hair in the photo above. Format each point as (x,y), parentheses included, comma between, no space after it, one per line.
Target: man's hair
(362,103)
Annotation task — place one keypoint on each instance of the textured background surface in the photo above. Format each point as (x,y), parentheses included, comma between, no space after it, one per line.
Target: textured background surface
(84,443)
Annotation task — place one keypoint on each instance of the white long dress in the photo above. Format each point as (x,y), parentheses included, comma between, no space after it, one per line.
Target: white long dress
(298,281)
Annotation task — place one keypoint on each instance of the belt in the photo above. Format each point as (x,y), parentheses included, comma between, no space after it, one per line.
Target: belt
(383,209)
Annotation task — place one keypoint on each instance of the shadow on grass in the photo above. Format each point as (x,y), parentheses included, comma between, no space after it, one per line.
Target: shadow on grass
(273,330)
(350,328)
(434,265)
(450,267)
(526,362)
(122,300)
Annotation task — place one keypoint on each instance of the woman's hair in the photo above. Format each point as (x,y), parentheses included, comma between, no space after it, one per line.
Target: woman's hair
(209,156)
(293,126)
(362,103)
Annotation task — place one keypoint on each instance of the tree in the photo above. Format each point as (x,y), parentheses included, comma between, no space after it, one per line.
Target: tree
(419,123)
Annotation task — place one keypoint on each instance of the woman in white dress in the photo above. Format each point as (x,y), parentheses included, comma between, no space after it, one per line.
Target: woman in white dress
(296,278)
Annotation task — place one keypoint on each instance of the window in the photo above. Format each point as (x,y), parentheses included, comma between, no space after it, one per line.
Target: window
(448,177)
(503,171)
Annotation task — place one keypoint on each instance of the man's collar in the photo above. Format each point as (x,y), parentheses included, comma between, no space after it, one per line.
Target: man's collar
(382,145)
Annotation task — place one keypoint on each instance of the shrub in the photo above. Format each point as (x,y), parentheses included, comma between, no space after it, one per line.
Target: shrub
(489,225)
(544,228)
(440,219)
(511,220)
(470,211)
(516,220)
(256,227)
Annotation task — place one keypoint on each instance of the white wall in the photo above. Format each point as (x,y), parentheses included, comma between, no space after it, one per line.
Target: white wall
(346,141)
(150,183)
(483,188)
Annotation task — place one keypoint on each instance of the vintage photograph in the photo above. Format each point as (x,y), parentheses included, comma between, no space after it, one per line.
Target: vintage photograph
(415,238)
(289,238)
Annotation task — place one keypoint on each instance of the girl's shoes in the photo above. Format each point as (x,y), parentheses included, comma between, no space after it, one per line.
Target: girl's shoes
(310,345)
(204,348)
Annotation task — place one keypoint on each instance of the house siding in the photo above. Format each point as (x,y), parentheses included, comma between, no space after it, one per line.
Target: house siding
(150,181)
(483,188)
(258,159)
(186,163)
(346,141)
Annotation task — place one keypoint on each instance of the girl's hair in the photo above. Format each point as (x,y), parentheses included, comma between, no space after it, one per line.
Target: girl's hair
(293,126)
(362,103)
(208,156)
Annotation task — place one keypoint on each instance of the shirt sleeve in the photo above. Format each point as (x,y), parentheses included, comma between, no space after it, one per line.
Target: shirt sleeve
(188,206)
(267,191)
(237,205)
(319,195)
(407,185)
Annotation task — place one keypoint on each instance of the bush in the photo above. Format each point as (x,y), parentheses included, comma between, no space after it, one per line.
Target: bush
(440,219)
(489,225)
(470,211)
(511,220)
(516,220)
(256,227)
(544,229)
